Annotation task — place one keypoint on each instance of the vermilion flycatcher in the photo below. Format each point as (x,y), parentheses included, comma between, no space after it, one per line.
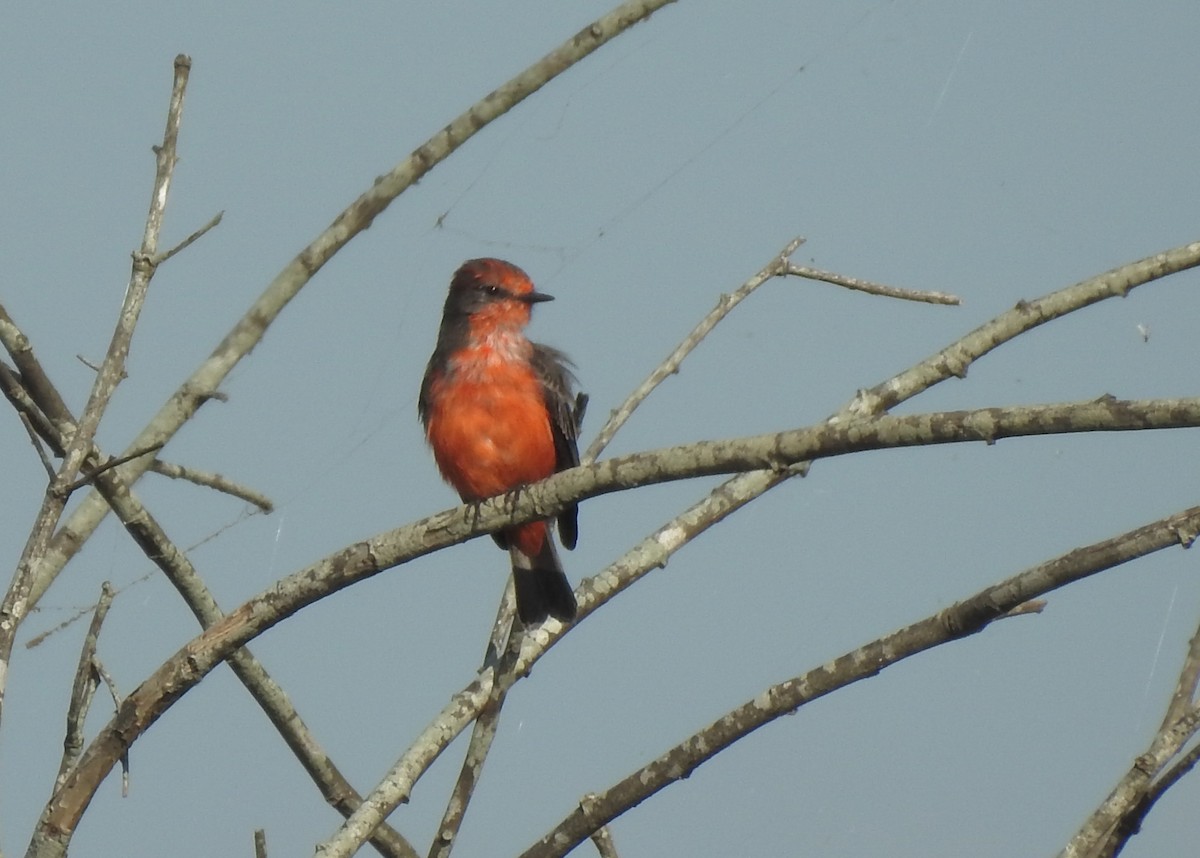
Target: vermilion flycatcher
(499,414)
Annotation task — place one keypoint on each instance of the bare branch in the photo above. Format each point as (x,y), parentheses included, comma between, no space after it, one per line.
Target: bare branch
(189,241)
(212,480)
(1184,696)
(111,684)
(670,365)
(47,465)
(18,599)
(778,266)
(1129,792)
(745,488)
(1120,816)
(203,384)
(93,367)
(150,536)
(871,288)
(166,158)
(365,559)
(33,377)
(112,369)
(468,703)
(482,736)
(786,449)
(1131,823)
(29,412)
(965,618)
(84,687)
(108,465)
(953,361)
(394,788)
(32,418)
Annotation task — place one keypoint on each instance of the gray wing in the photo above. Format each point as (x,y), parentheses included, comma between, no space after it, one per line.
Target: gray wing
(566,409)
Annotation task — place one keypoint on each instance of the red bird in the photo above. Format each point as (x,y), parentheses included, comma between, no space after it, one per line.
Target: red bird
(499,414)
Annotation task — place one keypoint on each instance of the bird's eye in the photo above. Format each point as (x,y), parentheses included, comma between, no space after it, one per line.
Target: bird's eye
(492,289)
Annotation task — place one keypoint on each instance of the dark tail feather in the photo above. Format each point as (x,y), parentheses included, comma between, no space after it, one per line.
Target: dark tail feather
(542,586)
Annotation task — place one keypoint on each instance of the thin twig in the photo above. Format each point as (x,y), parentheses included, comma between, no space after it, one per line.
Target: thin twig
(109,465)
(33,377)
(670,365)
(213,480)
(32,417)
(260,843)
(1120,815)
(39,639)
(482,736)
(84,686)
(1102,827)
(37,444)
(870,287)
(954,360)
(112,368)
(187,242)
(111,684)
(18,599)
(780,265)
(150,536)
(1184,696)
(1131,823)
(602,836)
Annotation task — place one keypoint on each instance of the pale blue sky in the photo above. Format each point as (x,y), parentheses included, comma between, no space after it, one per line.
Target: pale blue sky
(997,151)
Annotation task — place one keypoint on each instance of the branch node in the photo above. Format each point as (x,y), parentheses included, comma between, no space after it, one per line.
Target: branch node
(1185,537)
(143,263)
(865,403)
(955,365)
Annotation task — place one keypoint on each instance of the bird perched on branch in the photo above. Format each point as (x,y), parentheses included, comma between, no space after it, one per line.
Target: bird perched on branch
(499,413)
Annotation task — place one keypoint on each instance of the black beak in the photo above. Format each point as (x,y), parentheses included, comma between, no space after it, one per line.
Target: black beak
(535,297)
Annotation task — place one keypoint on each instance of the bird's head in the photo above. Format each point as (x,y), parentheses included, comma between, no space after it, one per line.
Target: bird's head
(492,292)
